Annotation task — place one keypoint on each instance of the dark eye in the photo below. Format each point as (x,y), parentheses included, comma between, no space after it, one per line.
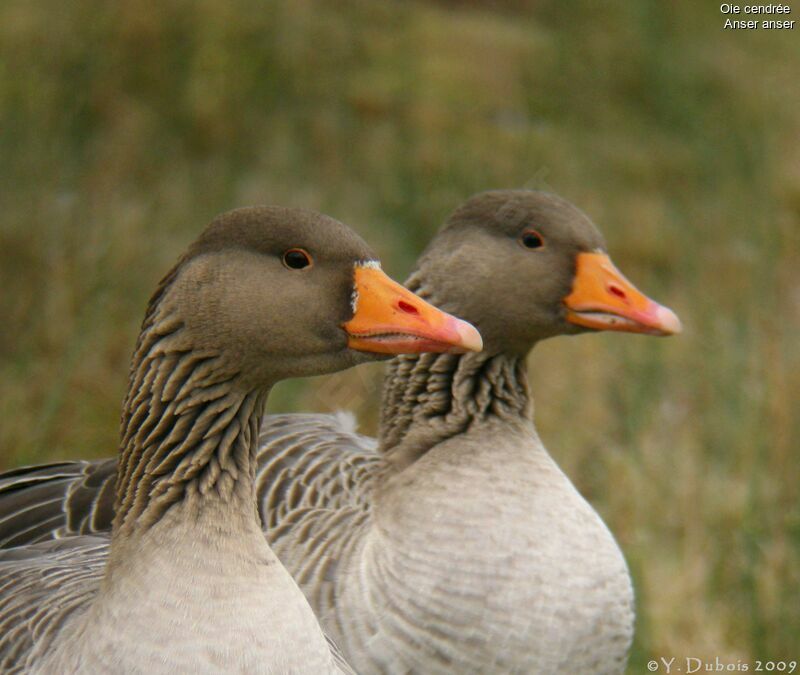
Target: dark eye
(296,259)
(531,239)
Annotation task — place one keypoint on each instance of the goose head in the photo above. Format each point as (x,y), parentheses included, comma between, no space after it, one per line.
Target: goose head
(272,292)
(524,265)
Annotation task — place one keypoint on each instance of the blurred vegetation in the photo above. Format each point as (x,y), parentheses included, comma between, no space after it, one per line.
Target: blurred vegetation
(125,127)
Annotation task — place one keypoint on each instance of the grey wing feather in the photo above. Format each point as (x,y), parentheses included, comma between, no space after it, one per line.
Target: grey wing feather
(41,586)
(315,477)
(313,461)
(48,501)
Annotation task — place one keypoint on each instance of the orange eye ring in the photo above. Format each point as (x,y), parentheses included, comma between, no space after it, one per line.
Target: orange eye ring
(297,259)
(531,239)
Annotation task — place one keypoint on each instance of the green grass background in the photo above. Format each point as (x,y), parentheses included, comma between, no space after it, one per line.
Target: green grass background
(125,127)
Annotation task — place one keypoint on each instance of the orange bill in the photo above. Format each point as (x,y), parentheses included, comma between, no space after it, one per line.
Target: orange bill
(390,319)
(603,299)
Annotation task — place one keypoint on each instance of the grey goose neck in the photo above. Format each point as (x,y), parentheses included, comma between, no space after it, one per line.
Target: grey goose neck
(477,554)
(187,428)
(428,398)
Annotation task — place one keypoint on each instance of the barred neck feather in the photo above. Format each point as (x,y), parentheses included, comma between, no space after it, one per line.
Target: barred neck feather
(187,427)
(428,398)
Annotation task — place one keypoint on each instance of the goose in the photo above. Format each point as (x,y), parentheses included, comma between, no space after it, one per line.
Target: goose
(453,543)
(187,581)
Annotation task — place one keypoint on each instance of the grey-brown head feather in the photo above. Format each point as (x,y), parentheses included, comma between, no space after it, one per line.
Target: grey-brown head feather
(477,268)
